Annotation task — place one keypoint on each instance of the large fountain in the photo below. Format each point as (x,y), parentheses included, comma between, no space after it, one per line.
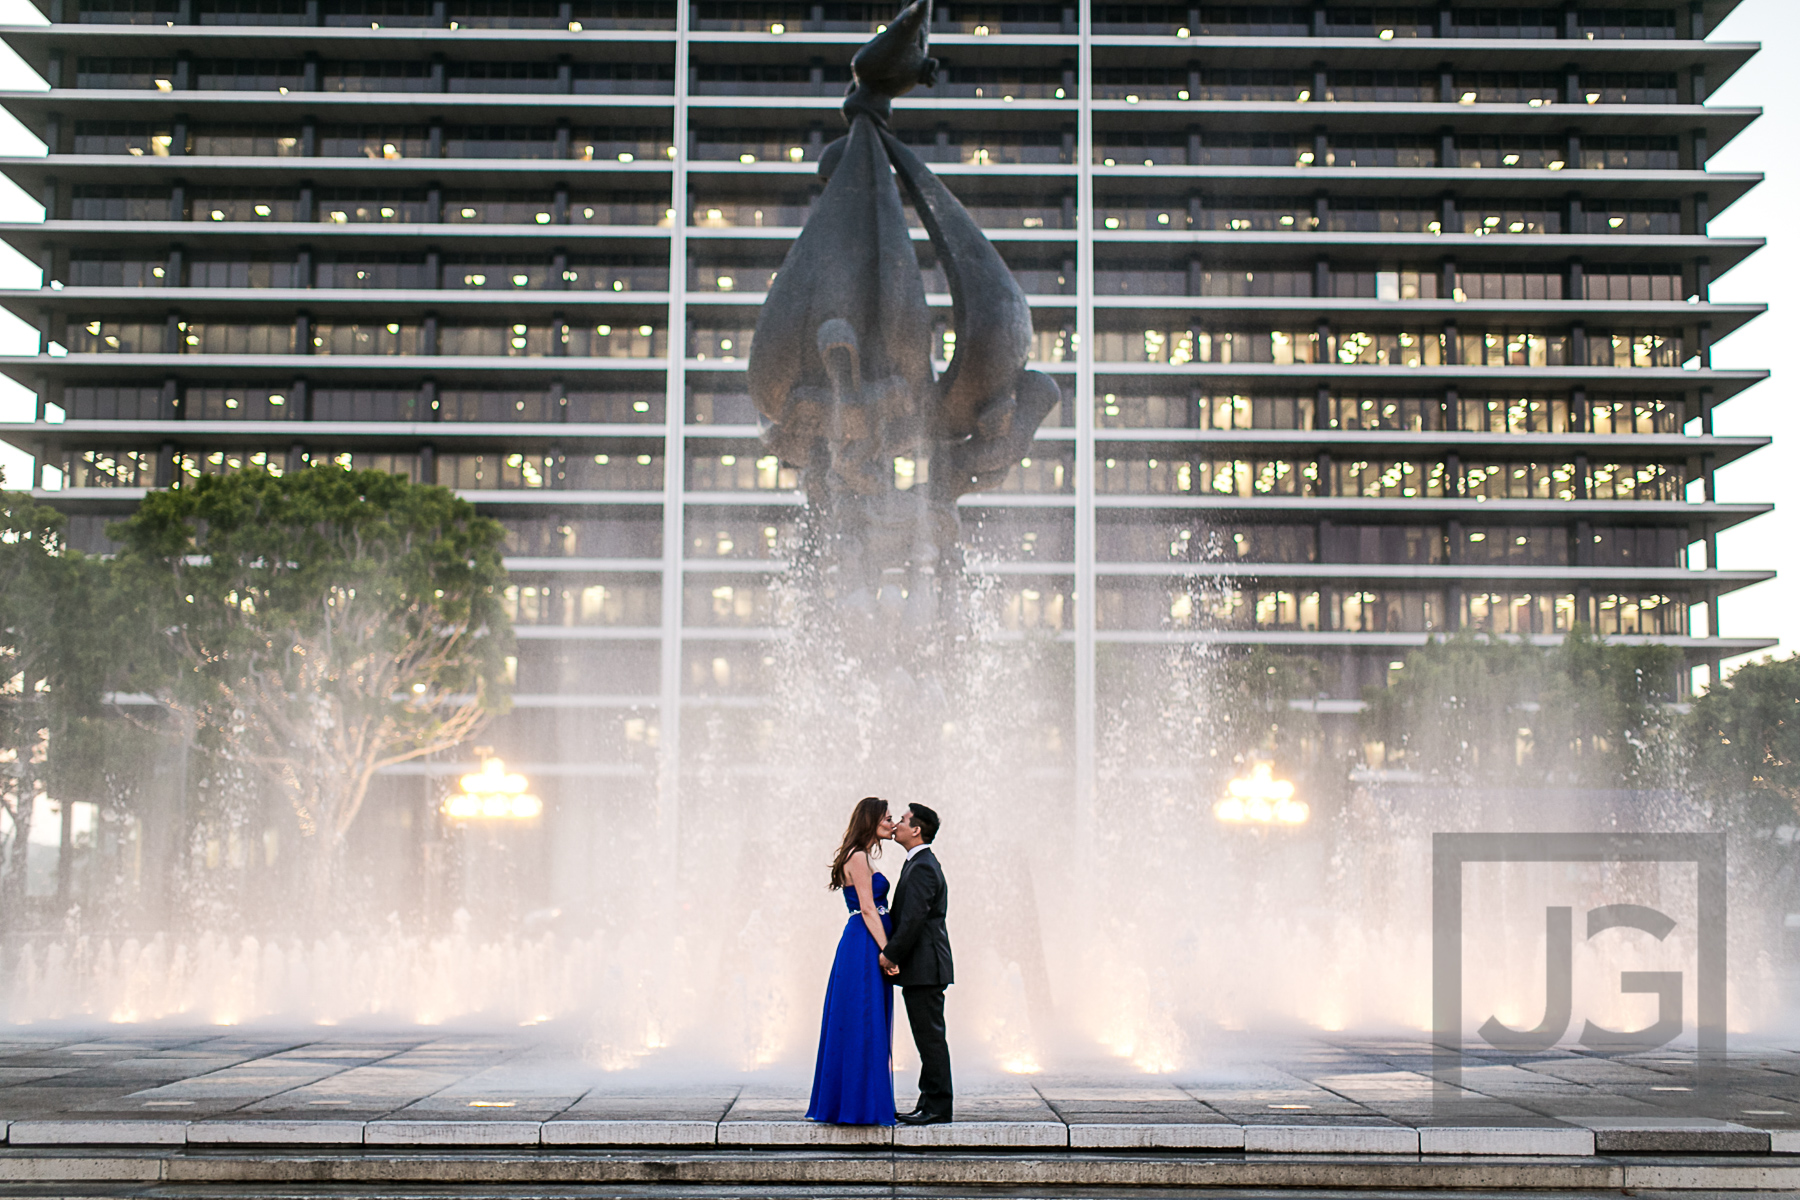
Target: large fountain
(1134,935)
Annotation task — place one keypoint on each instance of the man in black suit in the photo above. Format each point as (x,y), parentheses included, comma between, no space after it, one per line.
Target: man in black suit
(918,959)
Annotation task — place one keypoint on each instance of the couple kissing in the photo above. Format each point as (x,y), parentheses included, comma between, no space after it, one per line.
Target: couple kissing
(903,942)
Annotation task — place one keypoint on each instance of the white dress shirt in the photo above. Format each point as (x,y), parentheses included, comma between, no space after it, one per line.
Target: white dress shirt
(916,850)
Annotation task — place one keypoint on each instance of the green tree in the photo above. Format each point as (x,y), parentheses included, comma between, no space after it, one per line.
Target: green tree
(1503,712)
(320,625)
(50,669)
(1743,739)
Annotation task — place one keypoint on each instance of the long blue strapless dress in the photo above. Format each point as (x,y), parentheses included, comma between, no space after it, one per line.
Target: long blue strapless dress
(853,1081)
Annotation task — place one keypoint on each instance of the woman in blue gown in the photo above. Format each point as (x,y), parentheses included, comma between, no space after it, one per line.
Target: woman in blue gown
(853,1079)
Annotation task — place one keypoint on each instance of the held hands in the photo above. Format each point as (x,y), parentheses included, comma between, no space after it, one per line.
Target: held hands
(887,966)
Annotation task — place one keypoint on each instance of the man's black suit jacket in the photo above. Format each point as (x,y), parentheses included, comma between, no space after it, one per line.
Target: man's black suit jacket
(920,942)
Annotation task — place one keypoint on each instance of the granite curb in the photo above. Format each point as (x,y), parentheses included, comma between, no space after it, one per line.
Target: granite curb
(1577,1138)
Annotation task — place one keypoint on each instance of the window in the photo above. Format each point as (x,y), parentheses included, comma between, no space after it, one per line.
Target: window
(616,341)
(1518,613)
(1510,283)
(122,137)
(1536,88)
(625,143)
(365,404)
(1656,24)
(1626,349)
(642,276)
(109,468)
(192,464)
(376,75)
(259,271)
(153,73)
(1390,610)
(1254,20)
(1512,151)
(1639,546)
(1041,472)
(498,208)
(583,600)
(1396,544)
(374,271)
(516,76)
(376,14)
(1635,414)
(613,408)
(97,268)
(498,471)
(1630,216)
(1516,545)
(239,404)
(89,403)
(126,12)
(490,405)
(1641,614)
(1519,481)
(519,340)
(1381,87)
(750,471)
(373,337)
(1240,150)
(214,203)
(498,273)
(247,75)
(1179,475)
(1513,414)
(360,206)
(114,337)
(1357,410)
(1388,479)
(220,337)
(368,460)
(507,14)
(1637,481)
(1386,348)
(1514,348)
(626,535)
(1374,214)
(1620,152)
(1612,282)
(99,202)
(1511,215)
(617,79)
(1379,150)
(250,12)
(1385,285)
(374,141)
(1630,87)
(1488,21)
(262,141)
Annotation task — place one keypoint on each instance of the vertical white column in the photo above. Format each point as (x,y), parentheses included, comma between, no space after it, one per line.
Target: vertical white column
(668,810)
(1085,731)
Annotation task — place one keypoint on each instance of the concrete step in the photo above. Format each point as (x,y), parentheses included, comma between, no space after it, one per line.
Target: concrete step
(49,1171)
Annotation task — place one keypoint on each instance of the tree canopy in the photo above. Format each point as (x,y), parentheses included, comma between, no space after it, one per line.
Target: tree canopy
(321,625)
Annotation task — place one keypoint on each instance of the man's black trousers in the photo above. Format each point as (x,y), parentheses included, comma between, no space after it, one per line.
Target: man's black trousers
(925,1012)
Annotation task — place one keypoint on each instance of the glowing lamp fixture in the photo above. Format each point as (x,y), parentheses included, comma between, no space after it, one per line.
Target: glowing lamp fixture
(493,793)
(1262,800)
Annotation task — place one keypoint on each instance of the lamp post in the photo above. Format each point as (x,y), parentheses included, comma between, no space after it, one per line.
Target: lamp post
(1261,799)
(493,793)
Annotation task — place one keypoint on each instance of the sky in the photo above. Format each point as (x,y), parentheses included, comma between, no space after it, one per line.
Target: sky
(1769,609)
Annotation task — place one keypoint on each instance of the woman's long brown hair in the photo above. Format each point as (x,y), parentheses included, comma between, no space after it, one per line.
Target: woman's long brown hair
(863,833)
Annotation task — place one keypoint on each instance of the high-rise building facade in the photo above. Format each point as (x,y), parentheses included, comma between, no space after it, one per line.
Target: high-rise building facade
(1384,321)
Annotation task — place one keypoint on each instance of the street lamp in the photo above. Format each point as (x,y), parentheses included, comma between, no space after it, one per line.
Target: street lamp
(493,793)
(1261,800)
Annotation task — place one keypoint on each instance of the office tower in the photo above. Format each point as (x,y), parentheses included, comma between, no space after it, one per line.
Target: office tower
(1382,322)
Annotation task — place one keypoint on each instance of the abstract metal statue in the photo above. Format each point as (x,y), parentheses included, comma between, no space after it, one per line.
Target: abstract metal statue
(841,365)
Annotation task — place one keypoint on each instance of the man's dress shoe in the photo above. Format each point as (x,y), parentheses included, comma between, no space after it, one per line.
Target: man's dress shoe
(923,1118)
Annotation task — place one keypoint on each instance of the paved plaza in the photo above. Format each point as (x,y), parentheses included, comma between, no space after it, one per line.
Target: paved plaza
(1338,1095)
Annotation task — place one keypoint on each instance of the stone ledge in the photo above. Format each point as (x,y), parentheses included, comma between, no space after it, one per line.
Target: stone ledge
(97,1133)
(997,1134)
(1784,1141)
(451,1133)
(1330,1139)
(1124,1136)
(275,1133)
(1507,1140)
(1673,1135)
(802,1133)
(629,1133)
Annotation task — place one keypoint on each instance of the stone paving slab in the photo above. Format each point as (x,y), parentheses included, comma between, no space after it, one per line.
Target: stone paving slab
(1357,1095)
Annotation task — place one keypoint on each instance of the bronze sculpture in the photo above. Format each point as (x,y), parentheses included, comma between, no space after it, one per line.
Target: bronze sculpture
(841,365)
